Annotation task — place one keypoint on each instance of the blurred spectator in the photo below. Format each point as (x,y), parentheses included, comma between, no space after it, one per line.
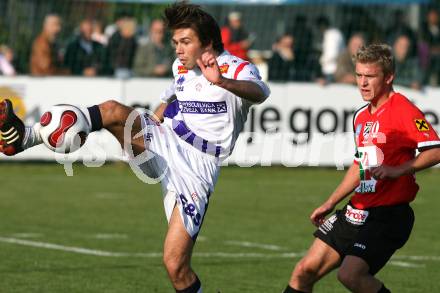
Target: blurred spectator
(407,68)
(83,55)
(6,58)
(44,56)
(431,36)
(305,58)
(116,26)
(398,27)
(332,46)
(282,63)
(122,48)
(98,33)
(259,61)
(155,57)
(345,71)
(359,18)
(235,38)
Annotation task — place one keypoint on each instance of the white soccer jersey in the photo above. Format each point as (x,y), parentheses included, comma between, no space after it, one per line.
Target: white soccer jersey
(207,116)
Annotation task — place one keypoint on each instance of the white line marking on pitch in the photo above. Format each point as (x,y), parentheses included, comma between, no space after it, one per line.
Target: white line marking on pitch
(81,250)
(255,245)
(201,238)
(417,257)
(406,264)
(95,252)
(74,249)
(106,236)
(27,235)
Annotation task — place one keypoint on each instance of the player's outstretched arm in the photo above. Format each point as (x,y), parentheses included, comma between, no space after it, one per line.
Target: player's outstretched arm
(345,188)
(243,88)
(158,113)
(424,160)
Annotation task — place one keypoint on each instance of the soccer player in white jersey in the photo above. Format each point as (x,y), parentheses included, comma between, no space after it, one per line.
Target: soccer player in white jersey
(202,114)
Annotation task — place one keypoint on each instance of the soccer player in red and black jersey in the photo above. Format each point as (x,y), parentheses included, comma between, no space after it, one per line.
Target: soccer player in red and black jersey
(362,236)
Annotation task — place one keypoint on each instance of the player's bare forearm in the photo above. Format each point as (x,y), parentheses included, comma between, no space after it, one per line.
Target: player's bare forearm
(245,89)
(348,184)
(424,160)
(158,113)
(346,187)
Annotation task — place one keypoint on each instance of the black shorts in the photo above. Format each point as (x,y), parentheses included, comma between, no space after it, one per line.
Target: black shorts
(375,240)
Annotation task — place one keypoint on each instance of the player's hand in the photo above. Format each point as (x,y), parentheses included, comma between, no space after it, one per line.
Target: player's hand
(319,214)
(386,172)
(209,67)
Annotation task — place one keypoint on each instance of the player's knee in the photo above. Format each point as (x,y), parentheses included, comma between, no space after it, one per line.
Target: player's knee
(112,110)
(305,272)
(348,278)
(176,266)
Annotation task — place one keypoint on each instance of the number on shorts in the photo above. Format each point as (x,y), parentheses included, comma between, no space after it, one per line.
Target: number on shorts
(189,210)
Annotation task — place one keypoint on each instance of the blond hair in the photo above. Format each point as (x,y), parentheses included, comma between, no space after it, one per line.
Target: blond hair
(380,54)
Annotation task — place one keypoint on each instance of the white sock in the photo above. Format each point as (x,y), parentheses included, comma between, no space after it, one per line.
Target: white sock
(32,136)
(87,115)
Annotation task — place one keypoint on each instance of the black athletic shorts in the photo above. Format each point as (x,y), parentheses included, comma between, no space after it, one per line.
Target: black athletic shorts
(373,237)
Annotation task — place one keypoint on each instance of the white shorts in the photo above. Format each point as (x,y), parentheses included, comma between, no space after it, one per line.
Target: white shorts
(187,175)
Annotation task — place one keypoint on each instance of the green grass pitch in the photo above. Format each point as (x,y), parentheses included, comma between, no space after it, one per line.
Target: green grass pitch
(102,231)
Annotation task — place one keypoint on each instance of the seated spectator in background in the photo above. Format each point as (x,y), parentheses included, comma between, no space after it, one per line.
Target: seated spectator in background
(282,63)
(431,37)
(332,46)
(122,48)
(408,72)
(6,58)
(44,56)
(235,38)
(83,55)
(345,71)
(98,33)
(155,57)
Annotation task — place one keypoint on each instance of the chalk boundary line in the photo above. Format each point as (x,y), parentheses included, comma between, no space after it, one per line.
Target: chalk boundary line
(396,260)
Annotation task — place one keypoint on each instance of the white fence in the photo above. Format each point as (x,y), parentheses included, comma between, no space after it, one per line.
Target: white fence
(301,124)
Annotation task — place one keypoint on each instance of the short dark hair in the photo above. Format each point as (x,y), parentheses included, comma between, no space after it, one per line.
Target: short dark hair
(184,15)
(381,54)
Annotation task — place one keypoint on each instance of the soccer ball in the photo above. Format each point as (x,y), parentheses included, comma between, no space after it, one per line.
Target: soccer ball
(64,128)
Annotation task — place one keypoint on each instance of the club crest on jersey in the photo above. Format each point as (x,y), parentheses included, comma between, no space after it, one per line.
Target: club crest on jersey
(421,125)
(224,68)
(182,69)
(179,82)
(371,129)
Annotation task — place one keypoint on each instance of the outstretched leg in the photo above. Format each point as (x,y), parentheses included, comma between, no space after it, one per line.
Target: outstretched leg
(111,115)
(319,260)
(114,116)
(177,256)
